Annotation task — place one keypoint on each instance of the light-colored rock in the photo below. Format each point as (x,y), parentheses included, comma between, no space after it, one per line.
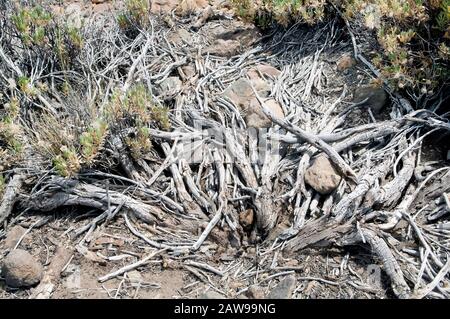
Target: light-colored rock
(255,116)
(189,71)
(284,289)
(322,176)
(74,15)
(13,236)
(186,7)
(376,97)
(345,62)
(163,6)
(20,269)
(266,70)
(241,94)
(101,7)
(180,36)
(171,84)
(135,278)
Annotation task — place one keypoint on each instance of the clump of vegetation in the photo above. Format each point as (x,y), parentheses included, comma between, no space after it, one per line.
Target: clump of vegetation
(39,30)
(137,111)
(11,144)
(67,163)
(413,34)
(92,140)
(2,185)
(134,17)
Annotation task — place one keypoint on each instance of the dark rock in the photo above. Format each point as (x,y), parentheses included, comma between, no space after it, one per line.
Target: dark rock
(284,289)
(20,269)
(254,292)
(376,97)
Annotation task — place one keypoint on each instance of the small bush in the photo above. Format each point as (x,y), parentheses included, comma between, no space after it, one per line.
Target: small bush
(134,17)
(413,34)
(92,140)
(67,163)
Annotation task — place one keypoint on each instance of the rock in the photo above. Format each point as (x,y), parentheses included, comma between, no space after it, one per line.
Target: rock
(210,294)
(20,269)
(187,7)
(101,7)
(266,70)
(180,36)
(447,200)
(274,107)
(376,97)
(284,289)
(259,83)
(163,6)
(255,116)
(322,176)
(135,278)
(170,85)
(98,1)
(254,292)
(345,62)
(224,48)
(241,94)
(189,71)
(73,15)
(13,236)
(246,218)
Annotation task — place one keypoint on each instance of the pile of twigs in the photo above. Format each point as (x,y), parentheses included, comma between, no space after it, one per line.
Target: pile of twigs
(207,170)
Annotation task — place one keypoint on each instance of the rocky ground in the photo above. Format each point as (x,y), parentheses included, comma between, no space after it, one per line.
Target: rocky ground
(314,67)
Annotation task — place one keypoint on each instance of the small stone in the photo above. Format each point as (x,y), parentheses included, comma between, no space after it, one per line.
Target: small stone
(376,97)
(73,15)
(254,292)
(186,7)
(180,36)
(322,176)
(284,289)
(163,6)
(20,269)
(101,7)
(13,236)
(241,94)
(211,295)
(268,70)
(189,71)
(345,62)
(135,278)
(246,218)
(224,48)
(171,84)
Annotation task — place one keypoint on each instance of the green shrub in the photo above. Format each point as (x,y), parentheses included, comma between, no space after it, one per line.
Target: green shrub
(413,34)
